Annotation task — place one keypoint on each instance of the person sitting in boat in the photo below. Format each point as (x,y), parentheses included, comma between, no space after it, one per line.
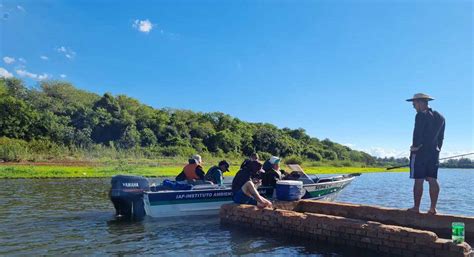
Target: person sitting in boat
(215,173)
(253,157)
(193,171)
(272,172)
(245,184)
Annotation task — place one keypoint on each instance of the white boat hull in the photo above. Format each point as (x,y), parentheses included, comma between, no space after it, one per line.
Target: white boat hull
(192,206)
(186,209)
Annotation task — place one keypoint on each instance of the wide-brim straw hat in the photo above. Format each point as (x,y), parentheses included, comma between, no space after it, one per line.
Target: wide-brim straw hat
(420,96)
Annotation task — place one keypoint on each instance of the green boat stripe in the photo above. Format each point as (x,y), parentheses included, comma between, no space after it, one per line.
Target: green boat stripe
(324,192)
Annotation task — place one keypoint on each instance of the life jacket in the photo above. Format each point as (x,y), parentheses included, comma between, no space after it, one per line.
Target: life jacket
(190,171)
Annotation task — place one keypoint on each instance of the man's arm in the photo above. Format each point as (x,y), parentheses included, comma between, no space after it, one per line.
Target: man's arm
(218,177)
(181,176)
(200,173)
(244,163)
(261,201)
(275,178)
(250,188)
(420,124)
(441,134)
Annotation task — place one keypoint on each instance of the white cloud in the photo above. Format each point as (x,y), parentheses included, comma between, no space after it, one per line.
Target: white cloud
(398,153)
(44,57)
(19,7)
(8,60)
(62,75)
(349,145)
(68,52)
(380,151)
(43,76)
(4,73)
(385,152)
(20,67)
(144,26)
(21,60)
(25,73)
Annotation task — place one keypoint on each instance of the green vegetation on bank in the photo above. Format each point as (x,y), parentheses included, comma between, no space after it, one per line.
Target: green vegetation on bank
(55,121)
(50,171)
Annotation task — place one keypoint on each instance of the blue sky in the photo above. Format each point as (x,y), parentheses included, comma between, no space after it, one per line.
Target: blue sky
(339,69)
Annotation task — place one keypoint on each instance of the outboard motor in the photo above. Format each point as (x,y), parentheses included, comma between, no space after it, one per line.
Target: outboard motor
(127,196)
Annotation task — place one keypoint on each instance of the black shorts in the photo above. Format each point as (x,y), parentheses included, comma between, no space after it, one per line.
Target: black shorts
(422,168)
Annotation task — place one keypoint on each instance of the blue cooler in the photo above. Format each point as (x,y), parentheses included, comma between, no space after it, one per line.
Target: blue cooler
(289,190)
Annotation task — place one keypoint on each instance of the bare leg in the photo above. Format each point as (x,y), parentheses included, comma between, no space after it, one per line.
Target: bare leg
(434,193)
(417,194)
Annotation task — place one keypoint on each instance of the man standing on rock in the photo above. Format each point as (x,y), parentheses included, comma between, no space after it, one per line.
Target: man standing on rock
(428,138)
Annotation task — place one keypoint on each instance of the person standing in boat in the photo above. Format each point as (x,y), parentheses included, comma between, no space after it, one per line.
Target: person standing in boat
(193,171)
(428,136)
(215,173)
(245,184)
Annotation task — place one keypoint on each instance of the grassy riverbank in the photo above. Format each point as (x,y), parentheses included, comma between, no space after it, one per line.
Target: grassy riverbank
(98,171)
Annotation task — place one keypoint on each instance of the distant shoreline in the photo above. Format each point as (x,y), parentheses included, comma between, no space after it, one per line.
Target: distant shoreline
(102,170)
(91,169)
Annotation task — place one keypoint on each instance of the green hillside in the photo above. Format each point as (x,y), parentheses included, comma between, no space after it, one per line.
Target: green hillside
(56,121)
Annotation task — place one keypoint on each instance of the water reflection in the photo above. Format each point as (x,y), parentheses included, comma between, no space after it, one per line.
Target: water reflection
(74,216)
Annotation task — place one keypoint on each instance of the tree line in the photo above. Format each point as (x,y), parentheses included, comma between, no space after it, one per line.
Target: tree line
(56,113)
(451,163)
(462,163)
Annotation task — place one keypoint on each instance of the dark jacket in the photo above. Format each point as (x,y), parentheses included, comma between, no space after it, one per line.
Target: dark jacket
(244,163)
(428,133)
(242,176)
(267,166)
(214,174)
(271,177)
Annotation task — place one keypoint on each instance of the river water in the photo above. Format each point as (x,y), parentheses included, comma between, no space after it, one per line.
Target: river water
(75,217)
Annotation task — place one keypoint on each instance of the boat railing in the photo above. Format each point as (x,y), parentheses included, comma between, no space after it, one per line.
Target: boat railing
(206,186)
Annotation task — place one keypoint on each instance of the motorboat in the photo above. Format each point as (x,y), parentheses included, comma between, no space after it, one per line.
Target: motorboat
(135,197)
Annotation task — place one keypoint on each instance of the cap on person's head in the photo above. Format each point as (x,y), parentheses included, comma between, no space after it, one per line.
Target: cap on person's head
(420,96)
(197,158)
(274,160)
(225,164)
